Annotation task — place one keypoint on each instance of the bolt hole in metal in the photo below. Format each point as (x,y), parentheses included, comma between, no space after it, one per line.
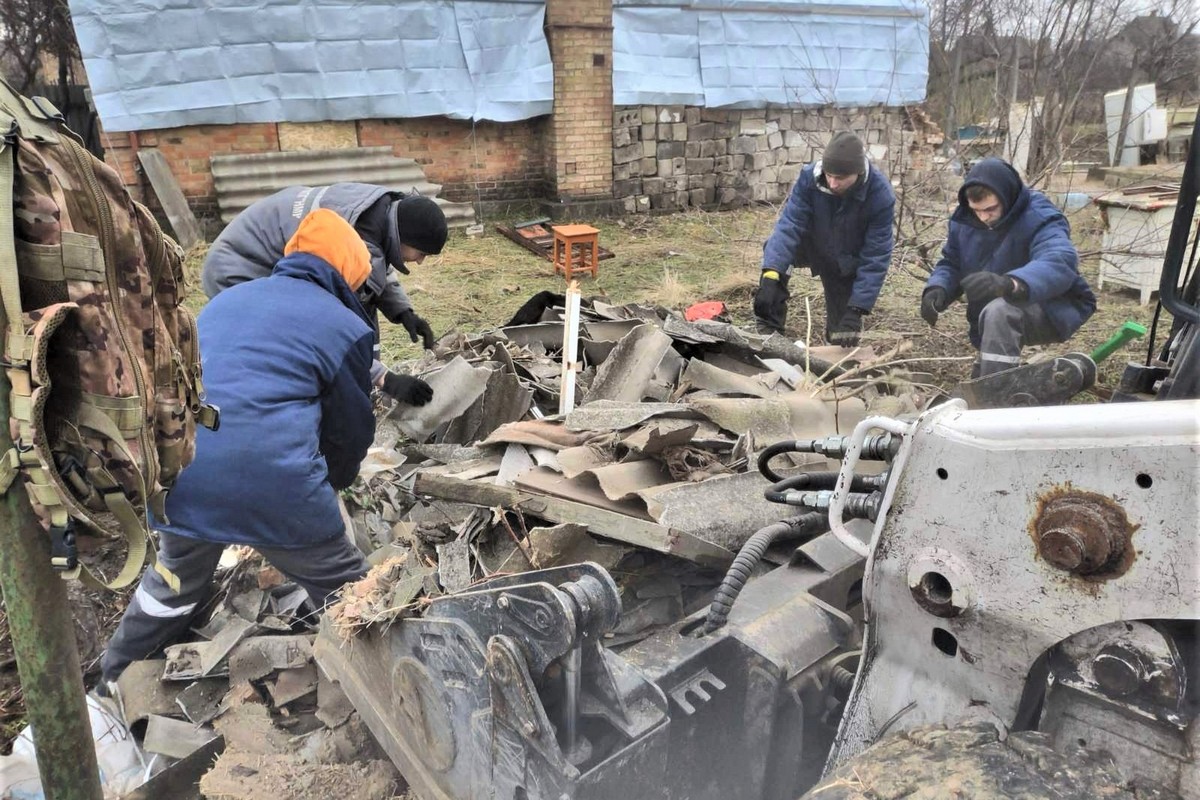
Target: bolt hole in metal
(945,642)
(936,588)
(941,473)
(1143,480)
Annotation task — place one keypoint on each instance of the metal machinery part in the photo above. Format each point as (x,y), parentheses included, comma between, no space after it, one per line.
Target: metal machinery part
(1044,383)
(1038,568)
(506,692)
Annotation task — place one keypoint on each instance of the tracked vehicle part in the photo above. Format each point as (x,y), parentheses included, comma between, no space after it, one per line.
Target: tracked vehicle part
(505,691)
(962,607)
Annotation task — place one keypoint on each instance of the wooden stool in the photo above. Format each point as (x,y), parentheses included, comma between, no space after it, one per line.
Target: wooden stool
(567,259)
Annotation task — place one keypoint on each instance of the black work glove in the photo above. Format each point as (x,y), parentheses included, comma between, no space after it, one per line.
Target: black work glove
(417,327)
(770,302)
(531,312)
(407,389)
(933,303)
(845,333)
(983,287)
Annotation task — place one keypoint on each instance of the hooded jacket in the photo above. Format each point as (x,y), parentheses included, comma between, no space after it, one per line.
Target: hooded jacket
(250,246)
(286,359)
(846,238)
(1031,242)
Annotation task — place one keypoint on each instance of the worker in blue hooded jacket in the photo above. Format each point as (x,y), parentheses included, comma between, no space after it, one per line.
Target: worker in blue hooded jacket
(1009,252)
(837,222)
(287,359)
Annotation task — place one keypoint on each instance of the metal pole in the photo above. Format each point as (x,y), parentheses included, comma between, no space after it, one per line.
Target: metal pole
(43,637)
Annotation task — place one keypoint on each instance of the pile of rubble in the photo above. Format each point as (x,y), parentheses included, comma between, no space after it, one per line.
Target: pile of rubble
(652,476)
(247,693)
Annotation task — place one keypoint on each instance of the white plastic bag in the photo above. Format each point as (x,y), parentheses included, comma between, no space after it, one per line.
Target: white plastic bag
(123,765)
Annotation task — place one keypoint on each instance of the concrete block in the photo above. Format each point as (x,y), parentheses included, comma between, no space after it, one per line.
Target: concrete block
(627,188)
(668,114)
(698,131)
(691,115)
(666,167)
(671,150)
(630,205)
(772,127)
(621,172)
(649,149)
(798,155)
(648,132)
(695,181)
(709,181)
(789,173)
(679,166)
(699,165)
(792,138)
(743,145)
(762,142)
(769,174)
(621,137)
(702,197)
(775,140)
(877,152)
(692,150)
(631,152)
(652,186)
(762,160)
(649,115)
(752,127)
(627,117)
(785,121)
(649,166)
(707,149)
(725,130)
(679,132)
(643,203)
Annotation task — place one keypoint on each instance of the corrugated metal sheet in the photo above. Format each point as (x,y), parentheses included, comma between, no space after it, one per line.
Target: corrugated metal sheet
(242,180)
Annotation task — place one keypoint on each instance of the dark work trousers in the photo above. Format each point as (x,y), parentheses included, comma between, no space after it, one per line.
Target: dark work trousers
(158,614)
(1005,328)
(838,289)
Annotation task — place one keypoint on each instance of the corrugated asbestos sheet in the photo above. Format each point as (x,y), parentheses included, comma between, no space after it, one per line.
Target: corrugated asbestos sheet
(241,180)
(753,53)
(169,63)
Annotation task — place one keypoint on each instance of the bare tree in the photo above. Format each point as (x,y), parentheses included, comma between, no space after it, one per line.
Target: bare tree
(36,36)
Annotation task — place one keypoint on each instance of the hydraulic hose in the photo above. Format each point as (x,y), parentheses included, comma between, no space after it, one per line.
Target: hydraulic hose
(805,525)
(814,481)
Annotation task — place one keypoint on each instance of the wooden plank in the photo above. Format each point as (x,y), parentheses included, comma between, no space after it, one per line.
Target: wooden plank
(599,521)
(179,214)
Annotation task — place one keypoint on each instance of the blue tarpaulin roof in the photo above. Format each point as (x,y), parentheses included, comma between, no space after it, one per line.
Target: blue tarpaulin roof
(752,53)
(169,63)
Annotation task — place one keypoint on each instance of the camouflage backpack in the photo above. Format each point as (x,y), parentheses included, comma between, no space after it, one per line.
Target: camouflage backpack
(101,357)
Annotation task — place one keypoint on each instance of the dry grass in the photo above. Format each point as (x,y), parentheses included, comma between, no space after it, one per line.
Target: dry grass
(680,259)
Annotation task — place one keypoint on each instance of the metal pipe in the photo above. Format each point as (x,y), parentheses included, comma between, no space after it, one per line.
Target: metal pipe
(572,662)
(43,639)
(1181,228)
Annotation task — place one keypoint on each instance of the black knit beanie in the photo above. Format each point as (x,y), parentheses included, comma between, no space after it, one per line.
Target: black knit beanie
(843,155)
(421,224)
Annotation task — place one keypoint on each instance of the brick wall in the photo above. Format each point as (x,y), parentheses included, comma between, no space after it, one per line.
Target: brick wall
(580,142)
(488,161)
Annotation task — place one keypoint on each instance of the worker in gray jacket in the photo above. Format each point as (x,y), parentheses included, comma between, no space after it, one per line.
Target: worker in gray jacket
(398,229)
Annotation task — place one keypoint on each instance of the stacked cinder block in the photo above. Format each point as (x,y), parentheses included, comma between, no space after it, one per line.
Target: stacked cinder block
(670,158)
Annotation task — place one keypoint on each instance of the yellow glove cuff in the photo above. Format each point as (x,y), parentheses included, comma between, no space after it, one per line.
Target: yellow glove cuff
(770,273)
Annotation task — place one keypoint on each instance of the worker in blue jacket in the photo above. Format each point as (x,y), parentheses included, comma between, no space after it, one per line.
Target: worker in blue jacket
(287,359)
(1009,251)
(837,222)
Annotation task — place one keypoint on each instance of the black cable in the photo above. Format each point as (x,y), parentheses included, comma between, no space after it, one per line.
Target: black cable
(806,526)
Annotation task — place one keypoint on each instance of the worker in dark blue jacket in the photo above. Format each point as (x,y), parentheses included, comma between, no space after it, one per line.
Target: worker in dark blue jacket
(837,222)
(1009,251)
(287,359)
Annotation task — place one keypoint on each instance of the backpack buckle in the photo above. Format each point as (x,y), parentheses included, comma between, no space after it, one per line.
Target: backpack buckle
(64,554)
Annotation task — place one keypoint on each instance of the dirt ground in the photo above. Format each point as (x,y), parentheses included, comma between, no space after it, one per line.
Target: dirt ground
(673,261)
